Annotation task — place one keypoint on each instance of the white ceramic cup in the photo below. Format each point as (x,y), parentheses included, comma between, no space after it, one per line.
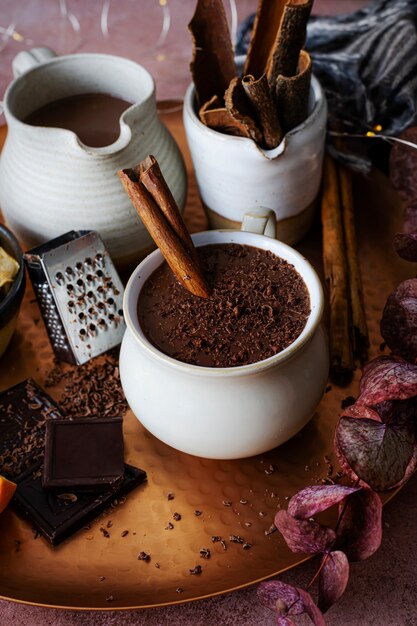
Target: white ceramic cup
(232,412)
(233,174)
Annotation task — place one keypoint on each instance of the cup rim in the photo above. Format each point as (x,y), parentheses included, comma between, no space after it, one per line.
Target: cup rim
(308,274)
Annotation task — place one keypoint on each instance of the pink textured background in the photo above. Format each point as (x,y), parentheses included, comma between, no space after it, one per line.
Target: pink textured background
(382,591)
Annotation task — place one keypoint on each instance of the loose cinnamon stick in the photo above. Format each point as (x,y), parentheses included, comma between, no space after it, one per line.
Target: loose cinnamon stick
(264,104)
(292,94)
(360,328)
(239,108)
(213,65)
(335,271)
(278,35)
(182,263)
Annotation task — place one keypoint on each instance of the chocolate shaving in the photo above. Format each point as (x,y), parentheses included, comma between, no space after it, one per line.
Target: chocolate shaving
(91,389)
(212,66)
(292,94)
(205,553)
(196,571)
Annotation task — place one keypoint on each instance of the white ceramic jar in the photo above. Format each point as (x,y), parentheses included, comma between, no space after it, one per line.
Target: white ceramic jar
(233,174)
(50,182)
(225,413)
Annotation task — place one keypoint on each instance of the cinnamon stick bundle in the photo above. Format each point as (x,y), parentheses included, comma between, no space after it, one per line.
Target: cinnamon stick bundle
(155,204)
(272,97)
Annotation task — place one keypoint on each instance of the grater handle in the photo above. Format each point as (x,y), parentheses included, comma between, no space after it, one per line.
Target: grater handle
(27,59)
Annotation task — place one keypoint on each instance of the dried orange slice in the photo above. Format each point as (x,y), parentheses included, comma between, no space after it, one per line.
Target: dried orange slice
(7,489)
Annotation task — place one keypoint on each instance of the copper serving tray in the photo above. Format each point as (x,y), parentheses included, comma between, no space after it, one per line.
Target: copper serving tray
(71,575)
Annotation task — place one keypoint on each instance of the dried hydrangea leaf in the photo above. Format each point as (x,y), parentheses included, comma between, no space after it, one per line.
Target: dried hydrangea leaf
(387,378)
(317,498)
(333,579)
(280,597)
(8,267)
(306,536)
(377,453)
(285,621)
(288,600)
(399,324)
(312,609)
(359,411)
(360,528)
(410,218)
(403,166)
(405,245)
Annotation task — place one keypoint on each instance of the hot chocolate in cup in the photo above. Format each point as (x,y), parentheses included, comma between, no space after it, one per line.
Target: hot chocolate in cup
(234,172)
(225,412)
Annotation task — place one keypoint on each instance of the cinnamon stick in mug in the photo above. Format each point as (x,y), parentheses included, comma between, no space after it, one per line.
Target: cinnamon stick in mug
(182,262)
(153,180)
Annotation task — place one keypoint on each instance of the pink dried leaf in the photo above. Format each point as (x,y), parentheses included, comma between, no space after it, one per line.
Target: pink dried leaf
(377,453)
(312,609)
(360,411)
(410,218)
(317,498)
(388,378)
(333,579)
(306,536)
(399,328)
(360,528)
(280,597)
(405,245)
(285,621)
(403,166)
(288,600)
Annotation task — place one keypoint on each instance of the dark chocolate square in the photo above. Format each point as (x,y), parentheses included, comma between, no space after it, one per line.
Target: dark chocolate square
(83,453)
(24,410)
(57,516)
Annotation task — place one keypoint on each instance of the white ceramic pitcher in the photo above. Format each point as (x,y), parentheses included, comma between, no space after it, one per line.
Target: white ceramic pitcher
(50,182)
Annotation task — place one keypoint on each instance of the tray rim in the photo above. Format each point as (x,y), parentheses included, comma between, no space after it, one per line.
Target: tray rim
(108,607)
(385,497)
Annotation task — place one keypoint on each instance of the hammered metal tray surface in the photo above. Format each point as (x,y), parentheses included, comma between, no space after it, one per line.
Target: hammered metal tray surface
(88,569)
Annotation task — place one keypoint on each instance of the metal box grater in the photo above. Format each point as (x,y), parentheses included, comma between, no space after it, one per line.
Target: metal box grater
(79,293)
